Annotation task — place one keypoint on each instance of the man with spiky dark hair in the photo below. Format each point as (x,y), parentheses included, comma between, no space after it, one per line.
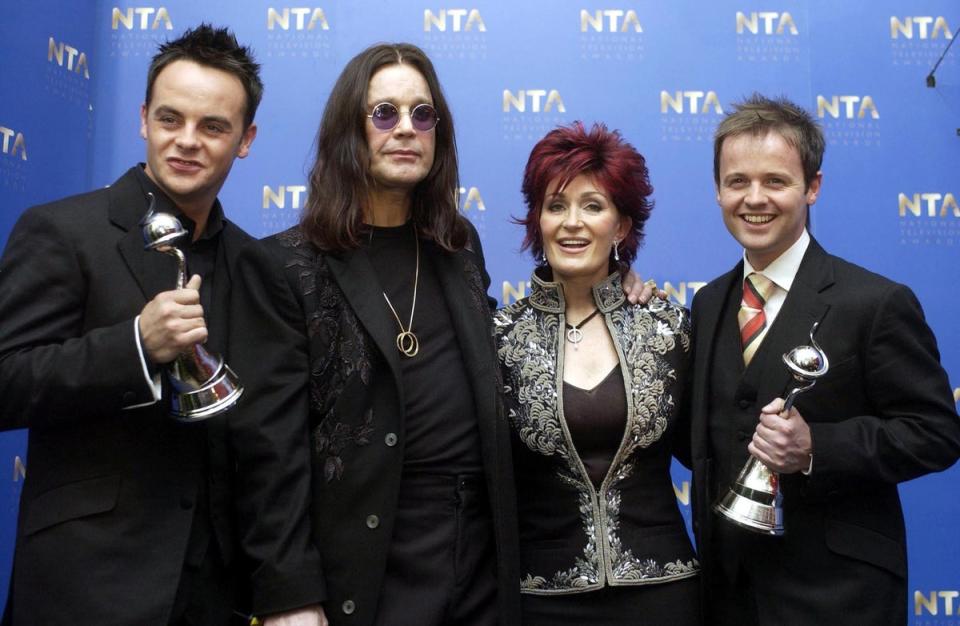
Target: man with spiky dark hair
(128,516)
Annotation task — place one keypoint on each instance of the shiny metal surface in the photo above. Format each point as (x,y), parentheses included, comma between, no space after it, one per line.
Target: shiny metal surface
(204,386)
(754,500)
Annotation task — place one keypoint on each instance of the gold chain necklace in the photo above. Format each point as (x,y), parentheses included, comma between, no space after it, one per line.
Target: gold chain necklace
(407,342)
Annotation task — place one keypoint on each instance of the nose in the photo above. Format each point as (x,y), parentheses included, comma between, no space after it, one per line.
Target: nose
(405,124)
(187,137)
(755,195)
(571,219)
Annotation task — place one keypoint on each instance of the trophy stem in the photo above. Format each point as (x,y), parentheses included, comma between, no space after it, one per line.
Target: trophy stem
(203,385)
(181,265)
(754,500)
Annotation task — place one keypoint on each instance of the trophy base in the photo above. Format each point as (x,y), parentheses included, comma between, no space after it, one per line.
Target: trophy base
(751,515)
(216,396)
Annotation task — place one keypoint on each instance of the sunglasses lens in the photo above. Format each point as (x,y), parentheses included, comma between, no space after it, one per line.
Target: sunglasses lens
(423,117)
(385,116)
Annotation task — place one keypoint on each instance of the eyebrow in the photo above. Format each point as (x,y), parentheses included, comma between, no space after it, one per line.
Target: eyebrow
(393,101)
(589,194)
(164,109)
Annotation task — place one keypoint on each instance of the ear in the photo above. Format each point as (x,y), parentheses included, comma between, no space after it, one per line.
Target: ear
(247,140)
(143,120)
(813,189)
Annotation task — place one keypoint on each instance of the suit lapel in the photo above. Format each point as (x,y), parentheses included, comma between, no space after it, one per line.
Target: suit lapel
(153,271)
(355,275)
(803,307)
(710,306)
(472,326)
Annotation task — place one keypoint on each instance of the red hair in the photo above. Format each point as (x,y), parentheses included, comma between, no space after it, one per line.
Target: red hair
(570,151)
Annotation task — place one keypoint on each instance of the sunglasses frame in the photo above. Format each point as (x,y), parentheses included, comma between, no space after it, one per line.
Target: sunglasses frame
(399,114)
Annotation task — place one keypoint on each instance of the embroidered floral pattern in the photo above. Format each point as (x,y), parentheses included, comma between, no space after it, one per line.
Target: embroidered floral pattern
(330,439)
(527,335)
(344,350)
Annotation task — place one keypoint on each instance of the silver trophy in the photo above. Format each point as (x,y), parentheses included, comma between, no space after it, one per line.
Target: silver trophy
(754,501)
(203,385)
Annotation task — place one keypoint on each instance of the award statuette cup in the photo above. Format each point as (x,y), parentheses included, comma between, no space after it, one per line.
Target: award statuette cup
(754,501)
(203,385)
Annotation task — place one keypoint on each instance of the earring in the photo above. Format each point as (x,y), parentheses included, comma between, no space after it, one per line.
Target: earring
(616,250)
(543,257)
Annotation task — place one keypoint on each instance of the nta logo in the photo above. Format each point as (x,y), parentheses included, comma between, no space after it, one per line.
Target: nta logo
(126,18)
(904,27)
(56,51)
(596,20)
(832,107)
(914,204)
(699,102)
(18,143)
(282,18)
(439,20)
(468,198)
(784,21)
(279,197)
(930,604)
(535,96)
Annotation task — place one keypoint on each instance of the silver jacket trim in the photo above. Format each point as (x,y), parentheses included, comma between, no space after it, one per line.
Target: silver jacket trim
(530,351)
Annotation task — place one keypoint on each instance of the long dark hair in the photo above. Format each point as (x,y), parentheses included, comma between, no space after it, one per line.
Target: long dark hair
(340,178)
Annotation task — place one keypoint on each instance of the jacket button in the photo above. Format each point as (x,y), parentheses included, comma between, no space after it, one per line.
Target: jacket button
(373,521)
(744,404)
(348,607)
(390,439)
(128,398)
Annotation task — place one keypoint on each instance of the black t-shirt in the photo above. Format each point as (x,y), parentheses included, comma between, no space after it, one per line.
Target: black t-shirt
(440,419)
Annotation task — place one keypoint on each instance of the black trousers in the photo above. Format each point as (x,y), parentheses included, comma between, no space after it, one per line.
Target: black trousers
(756,580)
(205,594)
(441,569)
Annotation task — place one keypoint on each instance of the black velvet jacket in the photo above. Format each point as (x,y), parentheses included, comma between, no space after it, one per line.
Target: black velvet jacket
(325,347)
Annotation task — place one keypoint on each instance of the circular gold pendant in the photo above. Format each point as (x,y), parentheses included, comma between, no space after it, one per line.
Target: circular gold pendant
(574,335)
(407,343)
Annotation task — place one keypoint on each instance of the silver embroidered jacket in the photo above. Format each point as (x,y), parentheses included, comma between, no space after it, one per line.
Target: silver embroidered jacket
(574,537)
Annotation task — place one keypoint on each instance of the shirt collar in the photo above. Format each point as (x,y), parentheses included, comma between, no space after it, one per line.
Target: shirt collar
(784,268)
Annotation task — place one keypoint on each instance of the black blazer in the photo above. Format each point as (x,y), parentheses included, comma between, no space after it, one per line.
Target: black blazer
(321,343)
(110,495)
(883,414)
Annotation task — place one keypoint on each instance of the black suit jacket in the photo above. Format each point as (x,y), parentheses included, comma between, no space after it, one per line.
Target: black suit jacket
(881,415)
(321,343)
(108,505)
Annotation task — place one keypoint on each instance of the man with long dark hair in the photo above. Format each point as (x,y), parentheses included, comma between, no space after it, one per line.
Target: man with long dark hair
(371,317)
(127,516)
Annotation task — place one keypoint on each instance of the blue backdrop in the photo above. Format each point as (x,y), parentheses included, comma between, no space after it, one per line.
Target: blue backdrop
(662,73)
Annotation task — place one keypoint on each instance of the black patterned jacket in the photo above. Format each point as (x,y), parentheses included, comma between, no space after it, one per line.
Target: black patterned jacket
(574,538)
(324,345)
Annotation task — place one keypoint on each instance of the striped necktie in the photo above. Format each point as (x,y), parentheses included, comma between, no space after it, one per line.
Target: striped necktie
(757,289)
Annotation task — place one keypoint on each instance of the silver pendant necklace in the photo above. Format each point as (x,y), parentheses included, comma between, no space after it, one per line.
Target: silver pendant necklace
(574,334)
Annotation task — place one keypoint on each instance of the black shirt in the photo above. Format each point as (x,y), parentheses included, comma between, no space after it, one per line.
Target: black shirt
(440,418)
(597,419)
